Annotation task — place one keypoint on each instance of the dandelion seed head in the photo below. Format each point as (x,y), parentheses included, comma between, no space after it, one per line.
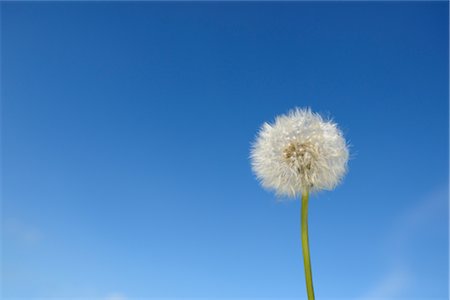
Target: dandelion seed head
(300,151)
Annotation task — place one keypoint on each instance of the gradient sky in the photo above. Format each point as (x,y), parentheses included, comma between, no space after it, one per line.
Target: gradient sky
(126,130)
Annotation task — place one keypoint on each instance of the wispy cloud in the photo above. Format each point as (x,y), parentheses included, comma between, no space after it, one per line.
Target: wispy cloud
(396,280)
(400,275)
(22,232)
(115,296)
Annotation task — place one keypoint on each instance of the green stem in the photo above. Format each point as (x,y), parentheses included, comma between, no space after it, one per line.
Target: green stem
(305,246)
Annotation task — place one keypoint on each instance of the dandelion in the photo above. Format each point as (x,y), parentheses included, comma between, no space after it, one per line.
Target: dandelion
(299,154)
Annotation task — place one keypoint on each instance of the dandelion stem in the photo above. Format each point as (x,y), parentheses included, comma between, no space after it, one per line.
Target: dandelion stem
(305,245)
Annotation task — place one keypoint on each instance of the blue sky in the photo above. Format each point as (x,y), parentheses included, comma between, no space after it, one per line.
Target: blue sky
(126,130)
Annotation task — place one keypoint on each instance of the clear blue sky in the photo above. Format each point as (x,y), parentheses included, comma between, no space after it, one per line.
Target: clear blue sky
(126,130)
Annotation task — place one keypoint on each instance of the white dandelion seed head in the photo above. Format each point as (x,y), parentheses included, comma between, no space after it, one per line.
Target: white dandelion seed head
(299,152)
